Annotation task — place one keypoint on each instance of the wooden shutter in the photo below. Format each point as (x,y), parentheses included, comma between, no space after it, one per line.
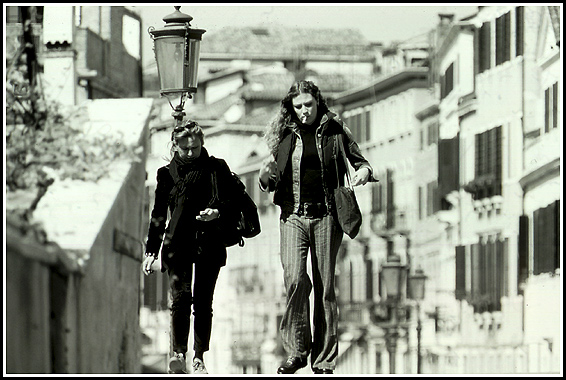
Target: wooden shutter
(547,111)
(485,47)
(545,225)
(555,95)
(475,273)
(460,272)
(506,36)
(390,205)
(499,40)
(368,126)
(523,260)
(519,30)
(448,165)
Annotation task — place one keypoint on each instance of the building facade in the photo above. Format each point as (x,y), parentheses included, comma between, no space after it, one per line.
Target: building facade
(83,52)
(485,201)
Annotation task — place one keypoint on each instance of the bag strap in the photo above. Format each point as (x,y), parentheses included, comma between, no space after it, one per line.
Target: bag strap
(339,146)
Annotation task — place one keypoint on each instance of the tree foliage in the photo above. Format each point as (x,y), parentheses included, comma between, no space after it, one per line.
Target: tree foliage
(41,138)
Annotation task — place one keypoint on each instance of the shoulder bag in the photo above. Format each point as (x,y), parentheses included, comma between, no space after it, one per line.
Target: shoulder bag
(347,209)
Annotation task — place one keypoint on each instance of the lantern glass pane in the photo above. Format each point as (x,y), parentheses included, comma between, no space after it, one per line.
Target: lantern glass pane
(193,55)
(169,53)
(417,287)
(392,278)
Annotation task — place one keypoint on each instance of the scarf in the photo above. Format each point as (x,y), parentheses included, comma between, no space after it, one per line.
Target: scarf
(186,173)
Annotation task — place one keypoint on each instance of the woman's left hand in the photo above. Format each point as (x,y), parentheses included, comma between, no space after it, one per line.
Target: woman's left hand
(208,214)
(361,177)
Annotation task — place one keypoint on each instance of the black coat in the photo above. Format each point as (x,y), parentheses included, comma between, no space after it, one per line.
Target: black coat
(193,240)
(330,126)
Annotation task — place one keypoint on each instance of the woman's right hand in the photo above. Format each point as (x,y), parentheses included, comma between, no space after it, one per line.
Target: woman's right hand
(268,168)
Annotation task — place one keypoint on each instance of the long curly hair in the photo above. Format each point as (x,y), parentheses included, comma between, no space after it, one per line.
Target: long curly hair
(274,131)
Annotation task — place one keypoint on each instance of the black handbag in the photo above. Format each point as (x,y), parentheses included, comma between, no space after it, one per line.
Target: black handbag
(347,208)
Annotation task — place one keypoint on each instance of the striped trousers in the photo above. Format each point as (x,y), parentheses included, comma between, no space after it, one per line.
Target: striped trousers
(322,237)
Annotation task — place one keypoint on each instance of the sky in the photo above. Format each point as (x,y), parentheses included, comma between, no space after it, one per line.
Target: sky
(377,22)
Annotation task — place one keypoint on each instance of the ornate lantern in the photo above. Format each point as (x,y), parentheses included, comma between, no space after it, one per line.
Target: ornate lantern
(177,51)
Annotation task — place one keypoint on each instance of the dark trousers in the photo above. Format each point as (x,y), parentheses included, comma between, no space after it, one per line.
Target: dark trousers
(183,296)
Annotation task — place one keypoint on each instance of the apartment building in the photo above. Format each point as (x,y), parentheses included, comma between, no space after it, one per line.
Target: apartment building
(83,52)
(478,210)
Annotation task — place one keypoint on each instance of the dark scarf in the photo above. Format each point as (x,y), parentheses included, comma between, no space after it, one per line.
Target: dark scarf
(189,172)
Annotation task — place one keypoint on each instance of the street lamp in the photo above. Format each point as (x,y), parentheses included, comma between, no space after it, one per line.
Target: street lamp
(393,274)
(417,293)
(177,51)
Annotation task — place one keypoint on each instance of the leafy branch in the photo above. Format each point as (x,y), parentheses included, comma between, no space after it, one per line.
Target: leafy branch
(40,139)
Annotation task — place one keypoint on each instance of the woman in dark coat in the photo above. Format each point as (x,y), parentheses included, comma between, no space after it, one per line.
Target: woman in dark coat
(192,240)
(303,171)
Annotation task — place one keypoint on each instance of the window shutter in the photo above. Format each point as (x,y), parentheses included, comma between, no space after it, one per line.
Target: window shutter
(390,205)
(460,272)
(475,273)
(377,197)
(557,234)
(547,110)
(519,30)
(507,36)
(523,260)
(485,47)
(420,202)
(545,239)
(499,40)
(368,126)
(555,95)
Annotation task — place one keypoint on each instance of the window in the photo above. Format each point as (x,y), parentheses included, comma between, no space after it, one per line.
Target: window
(447,81)
(420,202)
(448,166)
(376,198)
(488,156)
(432,133)
(503,38)
(546,239)
(367,136)
(519,30)
(488,273)
(431,204)
(551,107)
(484,48)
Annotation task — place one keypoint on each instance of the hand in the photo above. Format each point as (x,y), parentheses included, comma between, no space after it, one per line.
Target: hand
(268,168)
(146,265)
(208,214)
(361,177)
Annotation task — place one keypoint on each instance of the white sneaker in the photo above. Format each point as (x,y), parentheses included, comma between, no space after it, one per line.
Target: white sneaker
(177,363)
(198,366)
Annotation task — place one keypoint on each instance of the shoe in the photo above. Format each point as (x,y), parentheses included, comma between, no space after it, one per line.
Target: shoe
(319,371)
(198,366)
(292,365)
(177,363)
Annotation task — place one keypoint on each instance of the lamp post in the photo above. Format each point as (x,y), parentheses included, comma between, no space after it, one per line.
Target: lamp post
(417,293)
(393,274)
(177,51)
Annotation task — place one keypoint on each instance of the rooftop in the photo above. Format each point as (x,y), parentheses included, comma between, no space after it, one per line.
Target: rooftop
(278,42)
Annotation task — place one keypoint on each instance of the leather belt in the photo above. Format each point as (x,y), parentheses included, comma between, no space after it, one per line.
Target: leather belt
(312,210)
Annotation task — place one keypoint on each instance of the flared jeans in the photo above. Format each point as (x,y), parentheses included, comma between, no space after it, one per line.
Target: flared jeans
(322,237)
(184,296)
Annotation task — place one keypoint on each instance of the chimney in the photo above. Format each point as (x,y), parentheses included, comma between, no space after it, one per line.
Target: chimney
(446,18)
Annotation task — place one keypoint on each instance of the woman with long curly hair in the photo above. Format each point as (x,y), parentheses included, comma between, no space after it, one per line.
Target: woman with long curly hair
(303,170)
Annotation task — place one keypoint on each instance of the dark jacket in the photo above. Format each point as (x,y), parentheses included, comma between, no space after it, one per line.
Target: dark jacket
(330,127)
(192,240)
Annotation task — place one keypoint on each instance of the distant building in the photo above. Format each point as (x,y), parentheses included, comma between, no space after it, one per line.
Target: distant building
(472,198)
(83,52)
